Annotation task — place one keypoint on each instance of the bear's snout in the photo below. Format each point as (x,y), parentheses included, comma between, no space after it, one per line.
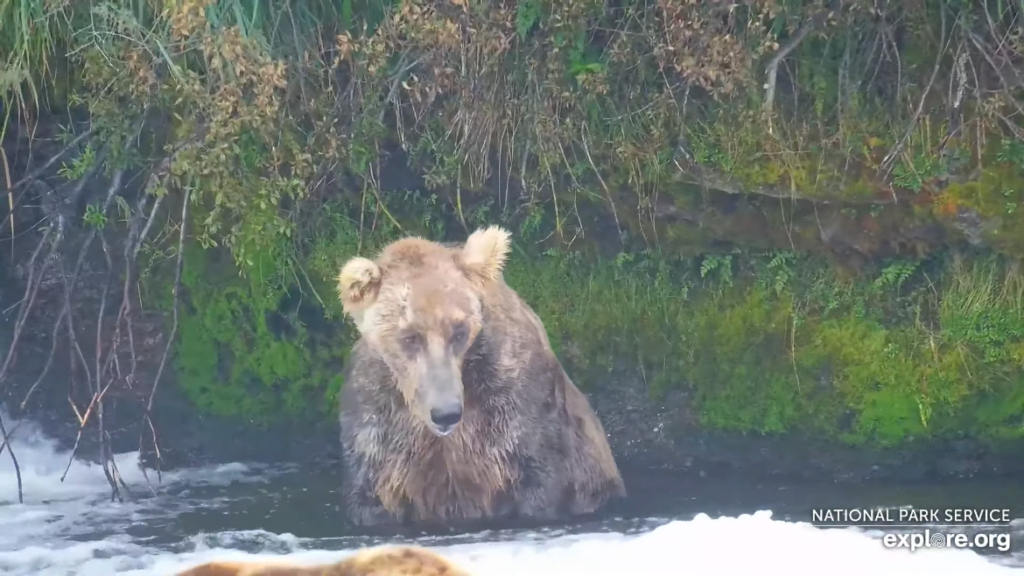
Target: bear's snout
(446,418)
(439,395)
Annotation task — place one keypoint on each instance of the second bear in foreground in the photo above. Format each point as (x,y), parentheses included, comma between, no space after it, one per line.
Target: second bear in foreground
(454,405)
(380,561)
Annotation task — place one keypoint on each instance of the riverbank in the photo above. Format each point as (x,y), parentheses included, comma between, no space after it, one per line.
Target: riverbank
(742,226)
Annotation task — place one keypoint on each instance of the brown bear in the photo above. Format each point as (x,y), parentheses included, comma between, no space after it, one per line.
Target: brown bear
(454,406)
(379,561)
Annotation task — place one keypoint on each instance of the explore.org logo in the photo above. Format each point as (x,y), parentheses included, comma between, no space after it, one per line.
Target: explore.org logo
(928,539)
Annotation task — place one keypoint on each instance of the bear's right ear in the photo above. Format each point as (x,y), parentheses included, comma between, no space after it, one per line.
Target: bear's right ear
(358,285)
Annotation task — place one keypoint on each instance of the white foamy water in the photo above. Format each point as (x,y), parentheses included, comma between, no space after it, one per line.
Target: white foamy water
(72,528)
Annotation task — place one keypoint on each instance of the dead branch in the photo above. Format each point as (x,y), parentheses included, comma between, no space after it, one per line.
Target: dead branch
(772,71)
(607,192)
(130,257)
(82,421)
(133,244)
(28,300)
(10,435)
(35,276)
(65,311)
(53,159)
(106,454)
(396,80)
(49,357)
(14,459)
(32,176)
(1006,83)
(885,168)
(174,331)
(100,380)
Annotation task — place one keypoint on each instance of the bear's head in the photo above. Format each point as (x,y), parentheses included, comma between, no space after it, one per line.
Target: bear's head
(419,305)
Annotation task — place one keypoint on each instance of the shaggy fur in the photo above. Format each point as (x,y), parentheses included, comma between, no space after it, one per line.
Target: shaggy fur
(528,444)
(381,561)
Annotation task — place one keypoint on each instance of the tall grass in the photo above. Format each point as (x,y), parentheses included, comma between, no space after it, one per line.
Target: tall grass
(34,34)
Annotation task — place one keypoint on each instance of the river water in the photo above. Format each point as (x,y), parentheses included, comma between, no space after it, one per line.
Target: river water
(679,524)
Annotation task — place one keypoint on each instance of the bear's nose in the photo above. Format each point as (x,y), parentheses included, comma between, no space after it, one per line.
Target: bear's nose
(445,418)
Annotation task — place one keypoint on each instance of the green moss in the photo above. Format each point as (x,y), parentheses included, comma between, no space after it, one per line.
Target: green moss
(242,353)
(872,376)
(740,363)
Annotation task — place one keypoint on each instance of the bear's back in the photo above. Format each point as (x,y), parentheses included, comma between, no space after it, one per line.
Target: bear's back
(379,561)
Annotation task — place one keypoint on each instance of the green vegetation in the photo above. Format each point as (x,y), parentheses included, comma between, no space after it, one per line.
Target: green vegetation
(770,342)
(808,215)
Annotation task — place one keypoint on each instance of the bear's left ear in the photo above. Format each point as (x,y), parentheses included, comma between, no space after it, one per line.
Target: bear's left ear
(483,257)
(358,285)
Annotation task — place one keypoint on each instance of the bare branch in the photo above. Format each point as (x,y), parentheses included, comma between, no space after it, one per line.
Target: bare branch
(32,176)
(14,459)
(772,71)
(887,163)
(115,186)
(174,327)
(607,192)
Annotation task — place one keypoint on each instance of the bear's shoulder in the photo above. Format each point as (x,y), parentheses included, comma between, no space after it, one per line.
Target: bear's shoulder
(377,561)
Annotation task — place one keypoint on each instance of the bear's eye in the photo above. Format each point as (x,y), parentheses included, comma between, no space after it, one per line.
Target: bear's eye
(410,341)
(459,334)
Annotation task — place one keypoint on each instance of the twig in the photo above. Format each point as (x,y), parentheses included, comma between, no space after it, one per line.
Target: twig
(10,195)
(106,457)
(10,436)
(14,459)
(608,193)
(46,166)
(49,357)
(885,168)
(133,244)
(69,288)
(115,474)
(1007,85)
(53,159)
(396,81)
(32,286)
(31,290)
(82,421)
(772,72)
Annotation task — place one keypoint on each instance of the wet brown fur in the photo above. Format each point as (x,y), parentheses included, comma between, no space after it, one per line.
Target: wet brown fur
(529,444)
(379,561)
